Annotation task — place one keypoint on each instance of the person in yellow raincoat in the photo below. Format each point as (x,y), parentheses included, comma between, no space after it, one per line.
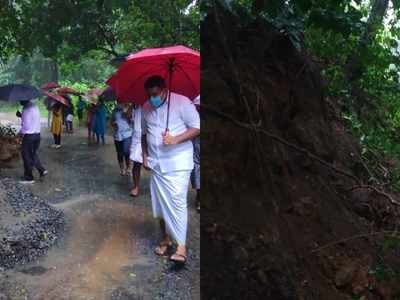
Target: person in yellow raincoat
(56,124)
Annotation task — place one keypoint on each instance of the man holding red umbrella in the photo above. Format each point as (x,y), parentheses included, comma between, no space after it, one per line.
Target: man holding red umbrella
(169,155)
(170,121)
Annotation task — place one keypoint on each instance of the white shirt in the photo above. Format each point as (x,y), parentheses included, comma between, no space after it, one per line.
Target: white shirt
(124,128)
(137,124)
(196,101)
(70,118)
(30,119)
(182,116)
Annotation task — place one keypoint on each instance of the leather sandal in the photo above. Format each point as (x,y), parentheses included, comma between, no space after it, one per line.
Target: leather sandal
(178,261)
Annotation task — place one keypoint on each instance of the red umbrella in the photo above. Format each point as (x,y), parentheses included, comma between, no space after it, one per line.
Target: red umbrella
(49,86)
(68,90)
(182,62)
(178,65)
(58,98)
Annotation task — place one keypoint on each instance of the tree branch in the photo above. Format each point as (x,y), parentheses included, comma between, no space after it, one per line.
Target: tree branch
(110,51)
(109,41)
(302,150)
(376,190)
(280,140)
(354,237)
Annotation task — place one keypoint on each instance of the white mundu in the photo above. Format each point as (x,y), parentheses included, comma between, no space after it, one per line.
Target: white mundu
(171,165)
(136,145)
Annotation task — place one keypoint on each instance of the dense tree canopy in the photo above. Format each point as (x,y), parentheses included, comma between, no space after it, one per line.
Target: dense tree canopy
(114,27)
(72,37)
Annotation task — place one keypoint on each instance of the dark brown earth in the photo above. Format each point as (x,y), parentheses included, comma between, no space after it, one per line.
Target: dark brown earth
(107,248)
(280,166)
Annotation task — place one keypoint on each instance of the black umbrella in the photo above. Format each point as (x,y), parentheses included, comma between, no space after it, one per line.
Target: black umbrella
(19,92)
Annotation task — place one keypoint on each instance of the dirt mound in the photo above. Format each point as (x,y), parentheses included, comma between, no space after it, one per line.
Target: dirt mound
(283,184)
(28,226)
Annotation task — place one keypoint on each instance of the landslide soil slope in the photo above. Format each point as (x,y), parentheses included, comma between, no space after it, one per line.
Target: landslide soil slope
(269,206)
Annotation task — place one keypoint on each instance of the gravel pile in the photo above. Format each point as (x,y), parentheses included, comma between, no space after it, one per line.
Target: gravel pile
(7,131)
(28,226)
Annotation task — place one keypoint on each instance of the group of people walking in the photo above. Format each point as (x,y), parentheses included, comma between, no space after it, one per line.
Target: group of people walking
(170,151)
(62,114)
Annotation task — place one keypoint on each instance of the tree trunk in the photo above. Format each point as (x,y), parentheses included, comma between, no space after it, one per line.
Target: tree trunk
(54,70)
(354,66)
(378,12)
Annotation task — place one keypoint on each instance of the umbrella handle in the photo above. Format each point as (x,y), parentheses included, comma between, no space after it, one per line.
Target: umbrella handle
(169,98)
(170,67)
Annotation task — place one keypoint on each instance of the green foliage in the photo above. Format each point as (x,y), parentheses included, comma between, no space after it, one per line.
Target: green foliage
(377,128)
(72,42)
(70,29)
(19,69)
(288,22)
(6,107)
(93,69)
(391,242)
(383,272)
(8,23)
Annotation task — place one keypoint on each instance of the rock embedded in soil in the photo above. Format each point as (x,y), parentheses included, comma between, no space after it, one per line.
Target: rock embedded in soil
(387,289)
(345,275)
(28,226)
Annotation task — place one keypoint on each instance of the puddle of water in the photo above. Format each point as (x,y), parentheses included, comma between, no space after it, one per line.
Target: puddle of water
(100,246)
(35,270)
(77,204)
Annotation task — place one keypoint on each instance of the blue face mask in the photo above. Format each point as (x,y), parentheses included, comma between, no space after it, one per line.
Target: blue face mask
(155,101)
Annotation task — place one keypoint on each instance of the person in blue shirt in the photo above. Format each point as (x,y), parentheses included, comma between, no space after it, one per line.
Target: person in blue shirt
(99,122)
(123,130)
(80,107)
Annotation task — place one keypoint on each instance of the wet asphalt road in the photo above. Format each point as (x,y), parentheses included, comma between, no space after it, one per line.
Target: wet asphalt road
(107,249)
